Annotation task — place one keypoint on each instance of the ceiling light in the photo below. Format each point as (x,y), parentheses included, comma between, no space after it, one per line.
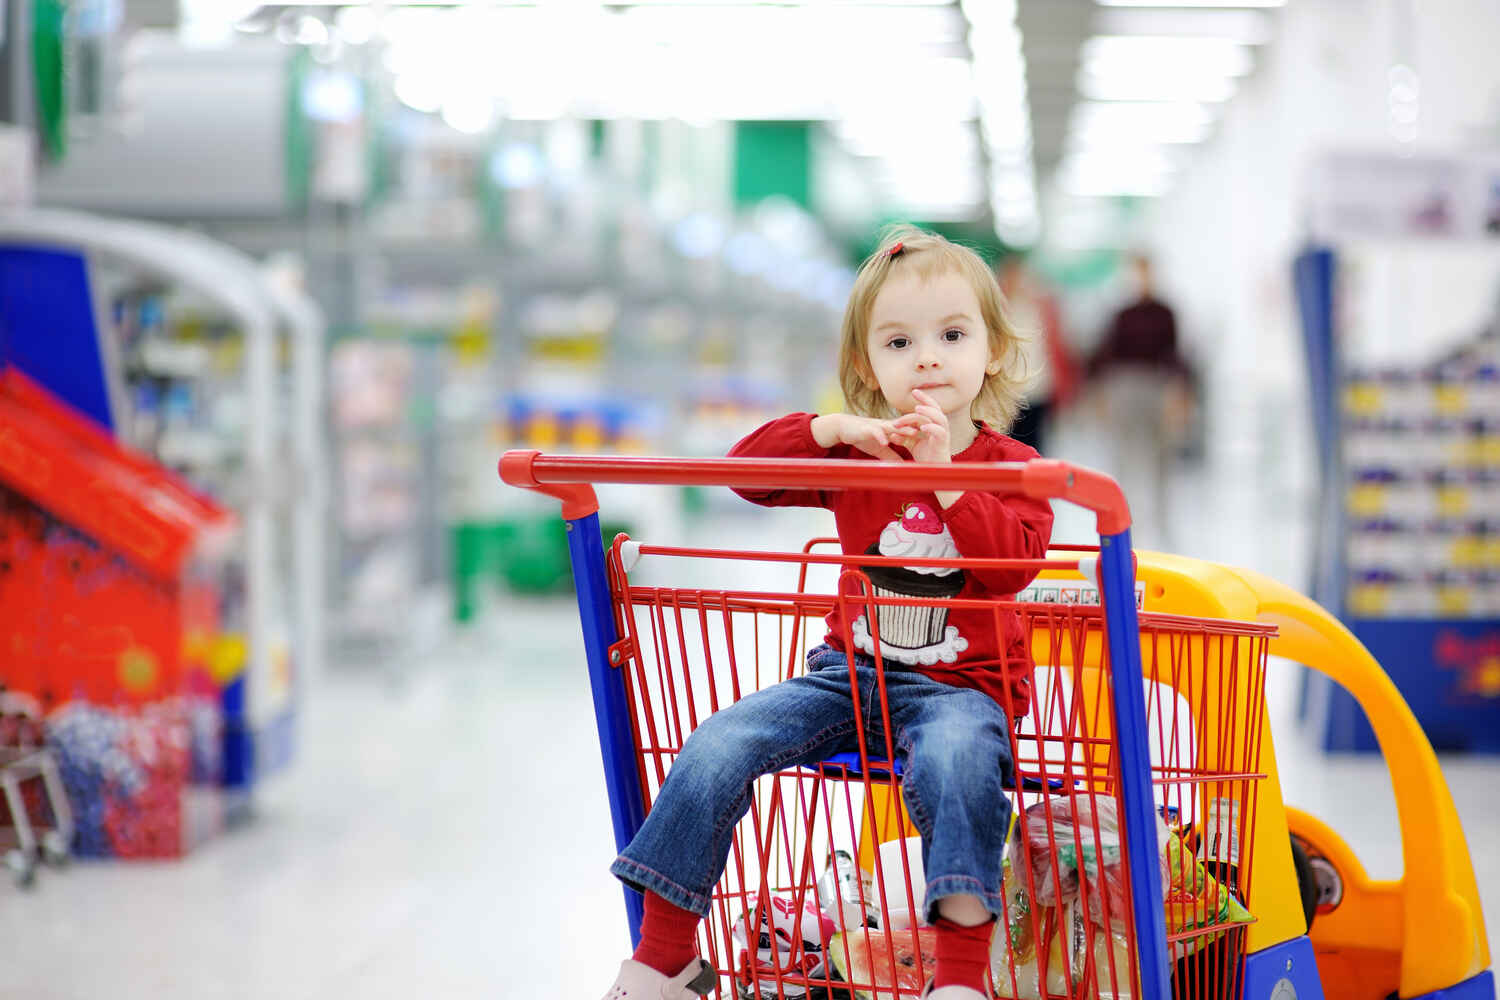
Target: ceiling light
(1104,131)
(1248,27)
(1161,87)
(329,96)
(1191,3)
(988,12)
(469,113)
(420,92)
(355,25)
(1186,56)
(1144,113)
(517,165)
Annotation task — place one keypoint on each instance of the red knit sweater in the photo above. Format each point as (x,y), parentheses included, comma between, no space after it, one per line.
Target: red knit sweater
(959,648)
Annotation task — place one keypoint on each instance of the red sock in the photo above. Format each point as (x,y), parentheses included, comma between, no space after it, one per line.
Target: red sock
(963,954)
(668,936)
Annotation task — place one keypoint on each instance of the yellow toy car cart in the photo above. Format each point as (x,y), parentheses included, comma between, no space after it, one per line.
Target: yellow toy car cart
(1152,854)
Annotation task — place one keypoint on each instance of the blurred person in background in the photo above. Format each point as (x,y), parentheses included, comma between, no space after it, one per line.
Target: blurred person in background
(1144,387)
(1050,367)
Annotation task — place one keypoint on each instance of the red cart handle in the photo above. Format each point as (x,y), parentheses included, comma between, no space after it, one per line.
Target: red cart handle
(569,478)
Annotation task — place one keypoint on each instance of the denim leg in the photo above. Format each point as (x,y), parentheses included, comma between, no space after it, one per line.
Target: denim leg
(956,749)
(680,850)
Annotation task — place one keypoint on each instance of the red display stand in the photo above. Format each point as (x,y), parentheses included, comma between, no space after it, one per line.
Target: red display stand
(116,596)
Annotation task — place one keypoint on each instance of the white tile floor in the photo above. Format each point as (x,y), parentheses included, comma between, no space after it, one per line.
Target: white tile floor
(444,834)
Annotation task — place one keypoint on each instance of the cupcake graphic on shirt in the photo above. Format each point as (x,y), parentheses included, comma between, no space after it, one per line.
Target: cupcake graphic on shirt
(910,634)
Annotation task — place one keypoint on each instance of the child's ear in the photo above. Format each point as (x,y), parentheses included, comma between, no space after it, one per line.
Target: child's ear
(993,368)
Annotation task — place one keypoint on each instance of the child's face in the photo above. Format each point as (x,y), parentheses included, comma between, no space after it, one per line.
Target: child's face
(928,335)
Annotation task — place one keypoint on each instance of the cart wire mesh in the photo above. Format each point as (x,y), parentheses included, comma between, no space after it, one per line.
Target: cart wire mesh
(822,893)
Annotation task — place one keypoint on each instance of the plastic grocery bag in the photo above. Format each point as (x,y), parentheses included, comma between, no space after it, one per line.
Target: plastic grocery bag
(1017,967)
(1063,835)
(1091,948)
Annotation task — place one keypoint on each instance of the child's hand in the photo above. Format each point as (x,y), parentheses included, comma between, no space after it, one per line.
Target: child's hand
(871,436)
(924,431)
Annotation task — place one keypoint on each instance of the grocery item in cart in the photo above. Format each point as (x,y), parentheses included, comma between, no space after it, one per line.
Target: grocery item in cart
(1099,956)
(1061,836)
(903,959)
(1019,969)
(1194,899)
(847,892)
(1075,950)
(781,937)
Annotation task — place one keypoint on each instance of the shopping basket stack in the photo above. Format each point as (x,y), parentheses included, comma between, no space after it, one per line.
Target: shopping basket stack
(1135,780)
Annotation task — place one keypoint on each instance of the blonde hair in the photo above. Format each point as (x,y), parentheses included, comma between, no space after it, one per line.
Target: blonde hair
(928,255)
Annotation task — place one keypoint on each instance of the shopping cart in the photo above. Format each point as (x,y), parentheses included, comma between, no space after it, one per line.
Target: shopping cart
(25,836)
(1141,763)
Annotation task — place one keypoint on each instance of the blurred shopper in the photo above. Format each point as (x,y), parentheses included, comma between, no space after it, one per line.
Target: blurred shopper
(1144,387)
(1052,372)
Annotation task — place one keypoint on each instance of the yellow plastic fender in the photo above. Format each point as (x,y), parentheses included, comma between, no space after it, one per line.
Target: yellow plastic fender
(1430,918)
(1443,940)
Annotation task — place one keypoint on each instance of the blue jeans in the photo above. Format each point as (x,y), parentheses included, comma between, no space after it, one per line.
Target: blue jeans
(953,744)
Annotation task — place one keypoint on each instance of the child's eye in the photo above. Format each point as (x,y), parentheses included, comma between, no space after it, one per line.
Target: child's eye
(953,336)
(899,343)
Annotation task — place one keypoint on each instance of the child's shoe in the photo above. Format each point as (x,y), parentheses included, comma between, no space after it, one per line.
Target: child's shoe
(641,982)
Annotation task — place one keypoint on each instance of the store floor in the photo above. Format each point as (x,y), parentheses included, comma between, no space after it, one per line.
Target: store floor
(444,834)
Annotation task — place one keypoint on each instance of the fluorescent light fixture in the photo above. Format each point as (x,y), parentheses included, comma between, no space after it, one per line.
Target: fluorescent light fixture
(332,96)
(1103,132)
(1141,160)
(1191,3)
(1163,87)
(987,12)
(468,112)
(420,92)
(1144,113)
(1144,173)
(355,25)
(1248,27)
(1107,54)
(517,165)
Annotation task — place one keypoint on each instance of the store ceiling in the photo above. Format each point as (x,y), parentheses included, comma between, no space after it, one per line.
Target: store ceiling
(960,108)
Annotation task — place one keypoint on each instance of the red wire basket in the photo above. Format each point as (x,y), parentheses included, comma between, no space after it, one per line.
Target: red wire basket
(822,893)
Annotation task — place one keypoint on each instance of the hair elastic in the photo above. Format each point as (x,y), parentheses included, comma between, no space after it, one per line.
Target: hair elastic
(893,251)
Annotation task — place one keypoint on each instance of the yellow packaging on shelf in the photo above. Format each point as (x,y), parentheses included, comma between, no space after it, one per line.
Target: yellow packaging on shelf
(1368,500)
(1453,500)
(1450,400)
(1454,600)
(1363,399)
(587,435)
(1369,598)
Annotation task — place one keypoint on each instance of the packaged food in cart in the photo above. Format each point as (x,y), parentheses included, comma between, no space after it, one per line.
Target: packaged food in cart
(780,939)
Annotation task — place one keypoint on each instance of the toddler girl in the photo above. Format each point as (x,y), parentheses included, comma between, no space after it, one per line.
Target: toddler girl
(927,365)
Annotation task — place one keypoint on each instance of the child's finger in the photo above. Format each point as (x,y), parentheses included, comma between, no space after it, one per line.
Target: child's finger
(931,414)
